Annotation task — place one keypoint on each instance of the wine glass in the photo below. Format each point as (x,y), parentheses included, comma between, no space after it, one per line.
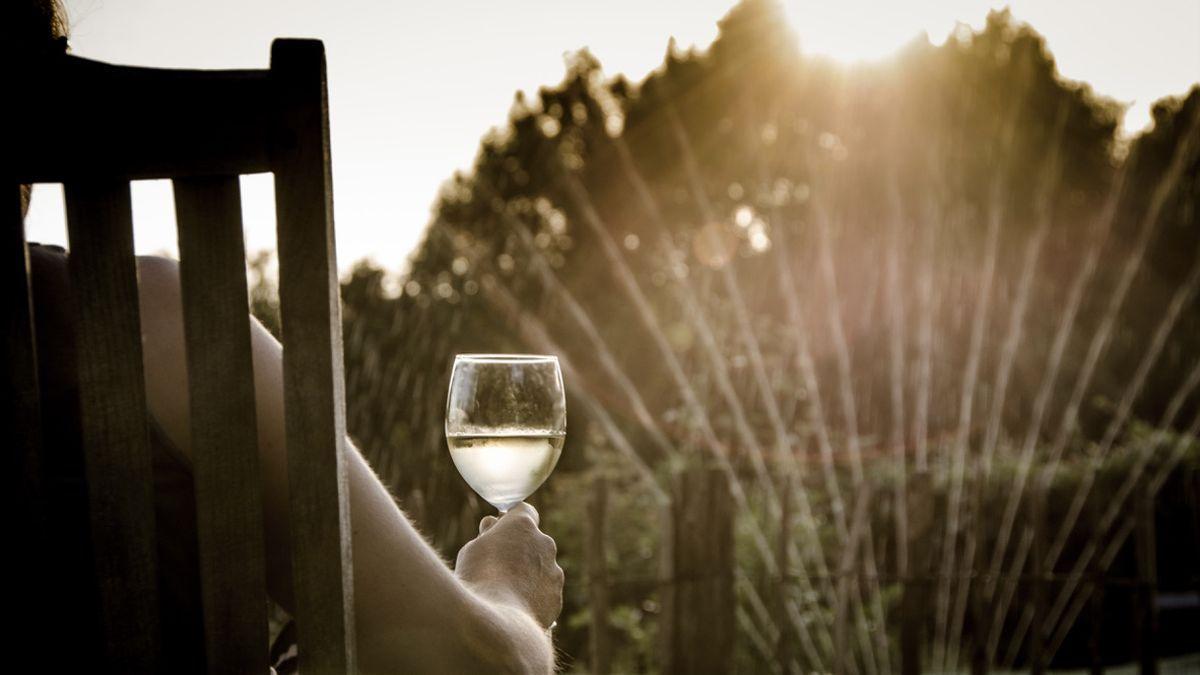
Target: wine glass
(506,421)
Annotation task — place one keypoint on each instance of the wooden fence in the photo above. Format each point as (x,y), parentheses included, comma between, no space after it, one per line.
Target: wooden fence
(700,614)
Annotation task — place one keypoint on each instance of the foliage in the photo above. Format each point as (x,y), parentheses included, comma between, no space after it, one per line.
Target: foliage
(772,208)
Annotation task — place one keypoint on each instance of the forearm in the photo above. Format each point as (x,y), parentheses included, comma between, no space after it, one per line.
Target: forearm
(412,612)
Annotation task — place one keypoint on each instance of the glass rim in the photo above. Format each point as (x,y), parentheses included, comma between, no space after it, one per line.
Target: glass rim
(506,358)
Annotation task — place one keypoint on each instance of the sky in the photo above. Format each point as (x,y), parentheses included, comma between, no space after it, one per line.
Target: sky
(414,86)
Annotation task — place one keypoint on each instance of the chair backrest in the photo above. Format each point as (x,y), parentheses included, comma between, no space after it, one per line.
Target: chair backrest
(94,127)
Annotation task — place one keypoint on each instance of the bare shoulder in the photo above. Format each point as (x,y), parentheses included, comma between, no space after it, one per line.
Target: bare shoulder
(161,306)
(157,270)
(158,289)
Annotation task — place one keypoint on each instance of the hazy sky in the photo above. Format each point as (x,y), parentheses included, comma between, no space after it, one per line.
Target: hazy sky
(413,86)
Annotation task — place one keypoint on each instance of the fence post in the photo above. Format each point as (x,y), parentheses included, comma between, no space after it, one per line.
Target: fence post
(1193,486)
(979,606)
(1146,612)
(839,626)
(1096,602)
(913,602)
(843,658)
(783,646)
(597,571)
(1193,492)
(698,599)
(1037,522)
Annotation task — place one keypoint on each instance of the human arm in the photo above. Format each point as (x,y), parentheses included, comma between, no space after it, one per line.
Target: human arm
(412,612)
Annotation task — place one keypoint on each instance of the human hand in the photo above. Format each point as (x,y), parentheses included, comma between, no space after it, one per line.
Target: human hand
(512,562)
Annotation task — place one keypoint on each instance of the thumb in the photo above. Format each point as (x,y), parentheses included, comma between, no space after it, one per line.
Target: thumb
(486,523)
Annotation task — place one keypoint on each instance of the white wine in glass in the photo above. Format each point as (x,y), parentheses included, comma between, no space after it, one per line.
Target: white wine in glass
(506,423)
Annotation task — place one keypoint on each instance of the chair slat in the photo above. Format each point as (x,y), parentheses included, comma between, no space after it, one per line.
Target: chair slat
(23,497)
(113,420)
(140,122)
(312,351)
(229,513)
(22,407)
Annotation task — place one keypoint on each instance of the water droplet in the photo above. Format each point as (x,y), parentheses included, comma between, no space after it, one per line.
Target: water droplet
(769,134)
(781,191)
(714,245)
(579,113)
(614,125)
(391,286)
(759,241)
(743,216)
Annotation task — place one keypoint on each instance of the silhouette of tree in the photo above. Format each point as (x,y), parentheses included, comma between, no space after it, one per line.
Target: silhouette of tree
(753,152)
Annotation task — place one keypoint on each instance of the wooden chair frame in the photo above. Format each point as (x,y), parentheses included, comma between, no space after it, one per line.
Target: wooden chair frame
(94,127)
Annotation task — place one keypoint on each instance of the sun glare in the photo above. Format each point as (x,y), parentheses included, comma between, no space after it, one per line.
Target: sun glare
(857,30)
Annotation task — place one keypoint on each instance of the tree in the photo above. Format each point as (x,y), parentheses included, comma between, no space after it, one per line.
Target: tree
(749,208)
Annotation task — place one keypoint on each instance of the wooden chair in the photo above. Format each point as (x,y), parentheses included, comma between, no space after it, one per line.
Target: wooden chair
(94,127)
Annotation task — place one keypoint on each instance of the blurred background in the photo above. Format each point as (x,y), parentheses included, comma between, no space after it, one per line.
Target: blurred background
(882,349)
